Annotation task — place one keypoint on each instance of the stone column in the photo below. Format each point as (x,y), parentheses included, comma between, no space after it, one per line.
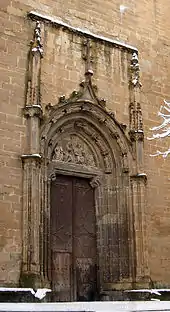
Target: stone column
(30,274)
(138,178)
(141,269)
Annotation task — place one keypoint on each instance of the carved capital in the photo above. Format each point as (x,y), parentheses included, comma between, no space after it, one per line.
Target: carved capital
(139,176)
(33,110)
(31,157)
(95,182)
(136,135)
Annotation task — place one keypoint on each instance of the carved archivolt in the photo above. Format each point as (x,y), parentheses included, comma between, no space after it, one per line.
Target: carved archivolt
(106,142)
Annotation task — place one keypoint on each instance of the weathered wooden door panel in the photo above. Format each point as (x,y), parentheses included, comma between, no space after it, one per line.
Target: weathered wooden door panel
(84,239)
(73,239)
(61,214)
(61,237)
(61,274)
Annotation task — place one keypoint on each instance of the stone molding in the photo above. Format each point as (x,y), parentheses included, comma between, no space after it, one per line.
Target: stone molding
(32,111)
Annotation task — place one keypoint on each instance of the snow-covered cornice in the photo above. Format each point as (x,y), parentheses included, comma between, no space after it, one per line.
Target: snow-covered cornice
(58,22)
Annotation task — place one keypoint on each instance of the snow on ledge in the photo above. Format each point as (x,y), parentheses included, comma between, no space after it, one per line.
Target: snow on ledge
(40,293)
(56,21)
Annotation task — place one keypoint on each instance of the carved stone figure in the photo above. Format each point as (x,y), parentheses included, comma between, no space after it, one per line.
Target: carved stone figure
(73,151)
(58,153)
(79,154)
(68,154)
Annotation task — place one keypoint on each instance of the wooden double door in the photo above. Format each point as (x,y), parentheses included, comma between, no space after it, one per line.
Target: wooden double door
(73,240)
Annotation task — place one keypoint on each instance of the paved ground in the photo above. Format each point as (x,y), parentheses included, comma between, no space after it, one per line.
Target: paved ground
(89,306)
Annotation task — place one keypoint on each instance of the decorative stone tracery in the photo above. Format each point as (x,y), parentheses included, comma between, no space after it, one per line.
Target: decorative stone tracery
(135,111)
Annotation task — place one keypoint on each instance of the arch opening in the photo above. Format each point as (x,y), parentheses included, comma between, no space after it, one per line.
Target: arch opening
(78,145)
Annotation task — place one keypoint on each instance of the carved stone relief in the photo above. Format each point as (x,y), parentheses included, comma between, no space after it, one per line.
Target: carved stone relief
(100,143)
(72,149)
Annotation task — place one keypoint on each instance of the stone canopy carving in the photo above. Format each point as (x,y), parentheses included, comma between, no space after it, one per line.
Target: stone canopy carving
(73,150)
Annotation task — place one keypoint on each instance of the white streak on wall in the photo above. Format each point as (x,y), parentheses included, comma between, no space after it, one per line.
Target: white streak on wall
(123,8)
(164,127)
